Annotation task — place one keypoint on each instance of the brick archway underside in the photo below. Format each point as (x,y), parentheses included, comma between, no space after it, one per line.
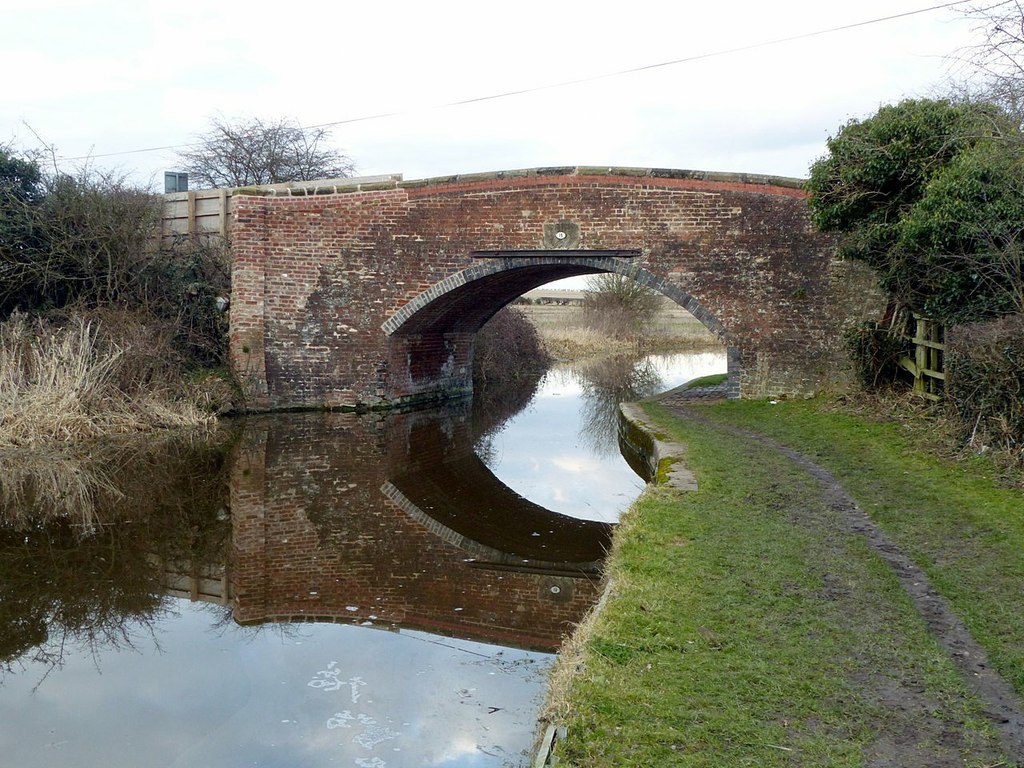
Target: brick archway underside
(468,299)
(439,325)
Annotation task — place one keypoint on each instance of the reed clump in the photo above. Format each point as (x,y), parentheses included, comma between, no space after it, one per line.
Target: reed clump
(77,379)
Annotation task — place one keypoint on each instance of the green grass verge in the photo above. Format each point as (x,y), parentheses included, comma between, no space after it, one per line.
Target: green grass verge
(960,526)
(745,629)
(708,381)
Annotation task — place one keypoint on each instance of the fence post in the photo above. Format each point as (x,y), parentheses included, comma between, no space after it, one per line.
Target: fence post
(930,348)
(223,206)
(191,213)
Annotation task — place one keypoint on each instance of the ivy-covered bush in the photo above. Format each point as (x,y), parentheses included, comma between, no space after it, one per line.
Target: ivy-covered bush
(930,193)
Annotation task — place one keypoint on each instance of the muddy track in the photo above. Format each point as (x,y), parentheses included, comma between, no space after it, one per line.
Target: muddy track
(1001,703)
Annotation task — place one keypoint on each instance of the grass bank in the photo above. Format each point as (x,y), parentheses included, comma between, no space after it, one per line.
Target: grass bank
(956,519)
(745,626)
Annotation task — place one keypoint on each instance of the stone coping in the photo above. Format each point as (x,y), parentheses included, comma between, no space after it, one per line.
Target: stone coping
(376,184)
(665,457)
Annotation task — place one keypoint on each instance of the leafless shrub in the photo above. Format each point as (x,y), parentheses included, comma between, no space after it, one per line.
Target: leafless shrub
(507,347)
(618,306)
(985,382)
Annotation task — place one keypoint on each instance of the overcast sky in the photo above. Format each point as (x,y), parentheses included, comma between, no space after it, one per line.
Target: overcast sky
(106,76)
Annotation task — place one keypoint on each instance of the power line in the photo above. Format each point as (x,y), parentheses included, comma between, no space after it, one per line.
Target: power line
(659,65)
(577,81)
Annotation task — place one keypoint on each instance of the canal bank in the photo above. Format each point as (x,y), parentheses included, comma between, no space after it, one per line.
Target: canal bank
(754,622)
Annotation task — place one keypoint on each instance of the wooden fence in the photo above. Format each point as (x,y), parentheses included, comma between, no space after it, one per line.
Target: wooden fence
(928,364)
(208,212)
(203,212)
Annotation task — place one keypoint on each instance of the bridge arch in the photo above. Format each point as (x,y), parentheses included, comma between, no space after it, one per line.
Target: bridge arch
(369,296)
(432,335)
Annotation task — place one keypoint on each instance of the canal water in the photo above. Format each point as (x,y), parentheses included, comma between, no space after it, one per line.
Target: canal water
(317,589)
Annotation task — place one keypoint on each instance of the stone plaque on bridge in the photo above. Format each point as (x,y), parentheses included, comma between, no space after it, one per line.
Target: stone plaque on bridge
(561,235)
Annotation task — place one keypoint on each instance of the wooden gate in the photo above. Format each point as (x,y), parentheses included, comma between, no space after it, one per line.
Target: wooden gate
(928,364)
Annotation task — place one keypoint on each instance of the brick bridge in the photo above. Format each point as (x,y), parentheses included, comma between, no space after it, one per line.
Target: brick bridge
(370,295)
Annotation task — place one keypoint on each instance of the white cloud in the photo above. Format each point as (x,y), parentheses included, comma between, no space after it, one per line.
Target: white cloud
(576,464)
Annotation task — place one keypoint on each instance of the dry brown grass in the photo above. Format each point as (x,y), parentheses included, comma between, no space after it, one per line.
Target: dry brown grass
(68,382)
(42,486)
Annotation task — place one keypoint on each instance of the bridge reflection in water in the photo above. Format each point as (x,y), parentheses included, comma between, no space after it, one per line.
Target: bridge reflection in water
(315,525)
(328,517)
(295,522)
(394,520)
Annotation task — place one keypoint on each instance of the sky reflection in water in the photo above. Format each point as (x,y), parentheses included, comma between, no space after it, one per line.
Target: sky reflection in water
(560,451)
(302,695)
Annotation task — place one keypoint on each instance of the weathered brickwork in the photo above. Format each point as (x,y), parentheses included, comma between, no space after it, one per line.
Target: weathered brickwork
(317,538)
(372,297)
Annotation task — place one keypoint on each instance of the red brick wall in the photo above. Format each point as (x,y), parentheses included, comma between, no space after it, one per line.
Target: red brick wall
(371,296)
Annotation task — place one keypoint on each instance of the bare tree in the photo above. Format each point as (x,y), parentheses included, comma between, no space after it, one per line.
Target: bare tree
(1001,50)
(254,151)
(998,57)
